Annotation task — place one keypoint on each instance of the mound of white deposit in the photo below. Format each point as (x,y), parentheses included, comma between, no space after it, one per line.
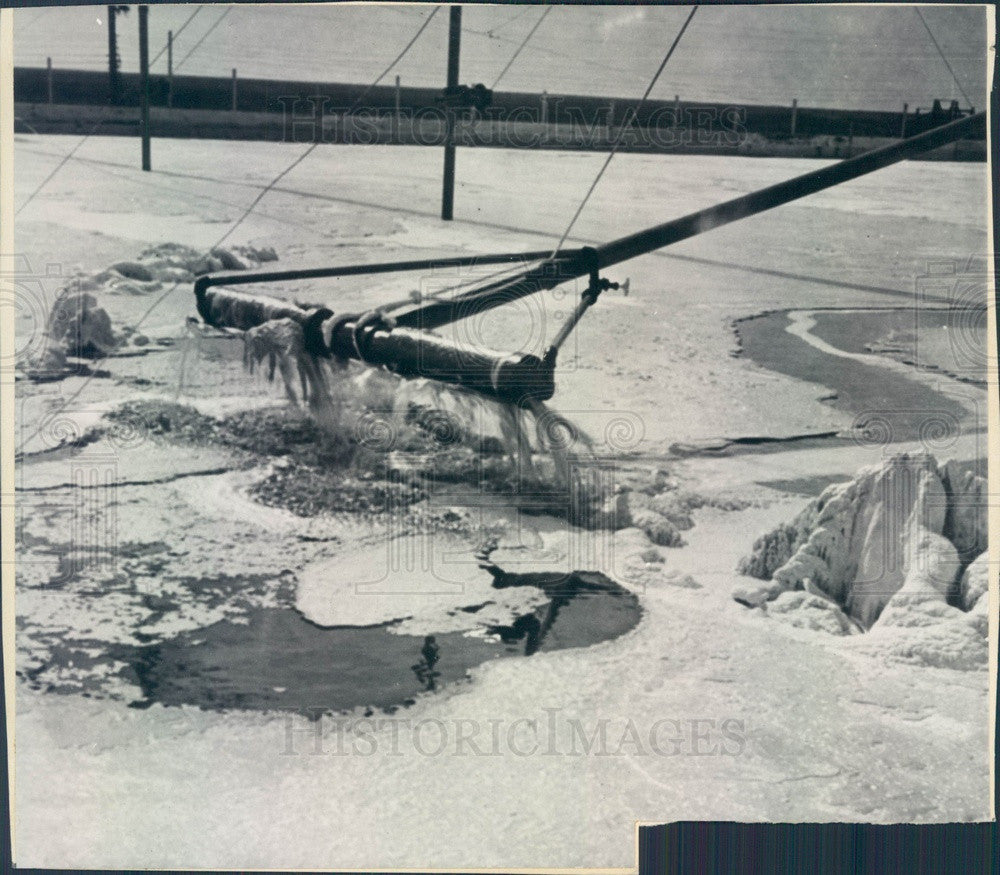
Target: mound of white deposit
(899,551)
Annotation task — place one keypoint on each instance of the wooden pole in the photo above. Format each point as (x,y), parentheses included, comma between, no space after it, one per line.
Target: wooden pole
(112,55)
(454,45)
(48,73)
(144,83)
(170,68)
(233,107)
(395,118)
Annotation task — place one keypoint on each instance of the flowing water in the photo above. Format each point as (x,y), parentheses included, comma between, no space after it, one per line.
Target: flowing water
(379,411)
(887,405)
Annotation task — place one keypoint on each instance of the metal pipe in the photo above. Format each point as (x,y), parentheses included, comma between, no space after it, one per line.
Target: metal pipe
(518,378)
(782,193)
(242,311)
(512,377)
(239,279)
(548,276)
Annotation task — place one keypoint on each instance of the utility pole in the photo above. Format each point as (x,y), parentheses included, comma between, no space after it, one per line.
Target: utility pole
(454,43)
(395,118)
(144,82)
(112,56)
(170,68)
(114,62)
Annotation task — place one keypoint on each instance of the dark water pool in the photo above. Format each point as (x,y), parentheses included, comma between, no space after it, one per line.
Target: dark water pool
(275,659)
(890,405)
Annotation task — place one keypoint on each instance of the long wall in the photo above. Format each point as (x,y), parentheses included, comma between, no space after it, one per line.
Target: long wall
(258,109)
(31,85)
(43,118)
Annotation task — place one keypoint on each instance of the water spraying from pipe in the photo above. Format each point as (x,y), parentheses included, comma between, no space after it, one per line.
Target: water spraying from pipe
(380,412)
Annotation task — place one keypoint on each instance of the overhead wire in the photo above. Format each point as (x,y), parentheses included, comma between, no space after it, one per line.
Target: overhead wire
(93,130)
(621,131)
(940,51)
(57,168)
(31,23)
(590,62)
(520,48)
(312,146)
(177,33)
(204,36)
(114,168)
(492,31)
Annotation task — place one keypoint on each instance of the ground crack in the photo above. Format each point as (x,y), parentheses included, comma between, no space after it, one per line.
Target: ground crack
(208,472)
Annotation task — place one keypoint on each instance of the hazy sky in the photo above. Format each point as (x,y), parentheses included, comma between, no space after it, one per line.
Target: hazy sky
(843,56)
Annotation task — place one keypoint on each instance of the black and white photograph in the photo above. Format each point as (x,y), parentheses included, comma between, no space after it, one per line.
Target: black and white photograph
(444,437)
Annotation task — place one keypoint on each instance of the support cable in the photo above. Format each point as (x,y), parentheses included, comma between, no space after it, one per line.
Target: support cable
(177,33)
(621,132)
(313,146)
(162,297)
(89,134)
(204,37)
(940,51)
(513,58)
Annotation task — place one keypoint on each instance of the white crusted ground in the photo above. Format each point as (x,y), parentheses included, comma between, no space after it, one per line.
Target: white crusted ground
(817,729)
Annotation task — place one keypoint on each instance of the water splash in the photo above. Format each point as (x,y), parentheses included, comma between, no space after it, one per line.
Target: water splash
(383,412)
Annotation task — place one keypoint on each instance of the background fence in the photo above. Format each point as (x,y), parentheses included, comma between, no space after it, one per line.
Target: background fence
(228,93)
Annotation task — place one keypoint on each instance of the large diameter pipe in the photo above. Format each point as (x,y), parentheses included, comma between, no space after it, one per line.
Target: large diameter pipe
(242,311)
(512,377)
(517,378)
